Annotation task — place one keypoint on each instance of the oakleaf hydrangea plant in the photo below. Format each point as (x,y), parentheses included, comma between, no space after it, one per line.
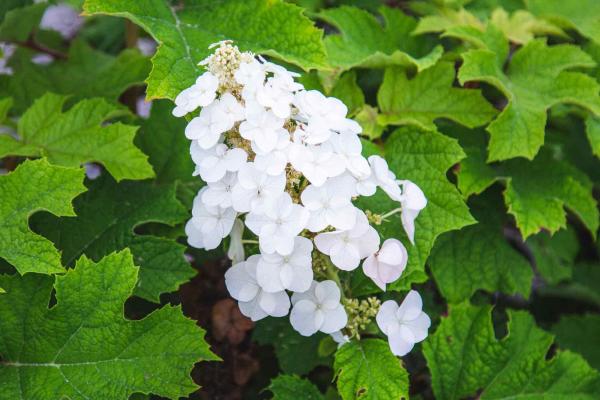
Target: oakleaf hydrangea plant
(286,163)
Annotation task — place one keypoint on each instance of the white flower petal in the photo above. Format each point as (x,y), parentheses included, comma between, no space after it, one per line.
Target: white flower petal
(335,319)
(302,317)
(411,306)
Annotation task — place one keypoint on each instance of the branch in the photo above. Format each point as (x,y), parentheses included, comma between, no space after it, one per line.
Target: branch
(30,43)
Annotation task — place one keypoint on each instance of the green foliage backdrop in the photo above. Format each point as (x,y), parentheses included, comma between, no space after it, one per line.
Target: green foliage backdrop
(491,106)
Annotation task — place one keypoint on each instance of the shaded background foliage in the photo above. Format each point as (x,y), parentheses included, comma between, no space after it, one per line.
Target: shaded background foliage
(491,106)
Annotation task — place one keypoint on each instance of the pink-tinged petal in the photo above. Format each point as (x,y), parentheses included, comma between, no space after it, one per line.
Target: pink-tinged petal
(371,269)
(389,273)
(393,252)
(335,320)
(411,307)
(302,317)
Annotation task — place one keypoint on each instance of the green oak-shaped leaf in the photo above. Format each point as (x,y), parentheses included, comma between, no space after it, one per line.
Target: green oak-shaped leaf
(86,73)
(429,96)
(368,370)
(9,5)
(364,42)
(34,186)
(519,27)
(478,257)
(554,255)
(78,135)
(475,175)
(447,18)
(292,387)
(184,32)
(161,137)
(537,193)
(107,216)
(536,79)
(423,157)
(82,347)
(582,15)
(17,23)
(5,105)
(296,354)
(534,196)
(466,359)
(592,130)
(580,333)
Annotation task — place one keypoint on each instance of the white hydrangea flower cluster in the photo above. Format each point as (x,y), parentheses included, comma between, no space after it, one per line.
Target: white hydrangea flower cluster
(286,163)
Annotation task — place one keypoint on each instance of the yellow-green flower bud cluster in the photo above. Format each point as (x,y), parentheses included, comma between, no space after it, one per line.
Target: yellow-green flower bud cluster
(360,314)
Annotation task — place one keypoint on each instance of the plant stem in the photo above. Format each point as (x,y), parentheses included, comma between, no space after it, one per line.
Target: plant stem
(30,43)
(390,213)
(331,273)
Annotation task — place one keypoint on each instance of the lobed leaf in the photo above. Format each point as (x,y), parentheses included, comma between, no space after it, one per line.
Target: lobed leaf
(82,347)
(107,217)
(578,333)
(466,359)
(368,370)
(554,255)
(364,42)
(78,135)
(86,73)
(296,354)
(292,387)
(428,96)
(536,79)
(424,157)
(184,32)
(478,257)
(34,186)
(583,15)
